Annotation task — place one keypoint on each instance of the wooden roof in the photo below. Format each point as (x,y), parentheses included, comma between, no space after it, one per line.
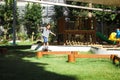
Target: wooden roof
(104,2)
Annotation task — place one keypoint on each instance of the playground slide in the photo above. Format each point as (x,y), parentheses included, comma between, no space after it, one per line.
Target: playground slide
(104,38)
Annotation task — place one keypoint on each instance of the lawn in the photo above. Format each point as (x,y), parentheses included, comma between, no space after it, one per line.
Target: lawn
(24,65)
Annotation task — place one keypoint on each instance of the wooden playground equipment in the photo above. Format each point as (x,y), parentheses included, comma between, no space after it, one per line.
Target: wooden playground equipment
(115,59)
(76,30)
(73,55)
(41,53)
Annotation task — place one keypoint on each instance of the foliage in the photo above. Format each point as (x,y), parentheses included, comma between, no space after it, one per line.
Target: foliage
(1,14)
(100,15)
(58,11)
(6,14)
(76,11)
(22,36)
(33,17)
(38,36)
(4,41)
(107,16)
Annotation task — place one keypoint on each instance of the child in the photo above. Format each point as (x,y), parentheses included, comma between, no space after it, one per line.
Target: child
(45,35)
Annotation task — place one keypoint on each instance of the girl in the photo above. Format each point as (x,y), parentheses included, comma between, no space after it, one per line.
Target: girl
(45,35)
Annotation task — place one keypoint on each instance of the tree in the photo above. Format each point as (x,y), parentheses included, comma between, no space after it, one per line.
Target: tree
(32,17)
(108,17)
(58,11)
(6,14)
(76,11)
(1,14)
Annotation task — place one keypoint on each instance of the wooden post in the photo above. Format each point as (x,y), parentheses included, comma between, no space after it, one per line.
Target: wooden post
(39,54)
(32,38)
(71,57)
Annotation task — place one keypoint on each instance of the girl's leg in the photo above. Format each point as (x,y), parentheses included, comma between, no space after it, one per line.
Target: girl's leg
(45,44)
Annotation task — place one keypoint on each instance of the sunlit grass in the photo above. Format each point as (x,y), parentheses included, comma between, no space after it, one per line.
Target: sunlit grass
(10,43)
(82,69)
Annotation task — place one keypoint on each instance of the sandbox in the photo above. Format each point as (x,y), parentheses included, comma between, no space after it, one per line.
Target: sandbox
(96,49)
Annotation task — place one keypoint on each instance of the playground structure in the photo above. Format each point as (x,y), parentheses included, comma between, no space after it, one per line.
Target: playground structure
(110,40)
(82,31)
(74,30)
(115,36)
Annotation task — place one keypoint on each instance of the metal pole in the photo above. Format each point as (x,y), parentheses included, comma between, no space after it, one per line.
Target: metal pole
(14,22)
(47,14)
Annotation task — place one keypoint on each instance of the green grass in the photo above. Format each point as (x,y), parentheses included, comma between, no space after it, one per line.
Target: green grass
(24,65)
(18,43)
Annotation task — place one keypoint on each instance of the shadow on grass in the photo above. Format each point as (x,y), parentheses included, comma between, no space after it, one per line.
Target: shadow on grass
(12,67)
(16,47)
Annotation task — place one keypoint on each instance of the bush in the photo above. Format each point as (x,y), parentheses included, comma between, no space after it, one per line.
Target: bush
(4,41)
(22,36)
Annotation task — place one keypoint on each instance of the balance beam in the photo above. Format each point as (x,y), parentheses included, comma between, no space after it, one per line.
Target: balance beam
(115,59)
(72,57)
(92,56)
(41,53)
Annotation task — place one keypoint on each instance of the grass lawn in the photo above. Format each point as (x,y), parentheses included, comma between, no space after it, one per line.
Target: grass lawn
(23,65)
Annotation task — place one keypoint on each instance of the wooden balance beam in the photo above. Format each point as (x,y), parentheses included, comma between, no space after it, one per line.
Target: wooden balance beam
(72,57)
(115,59)
(92,56)
(41,53)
